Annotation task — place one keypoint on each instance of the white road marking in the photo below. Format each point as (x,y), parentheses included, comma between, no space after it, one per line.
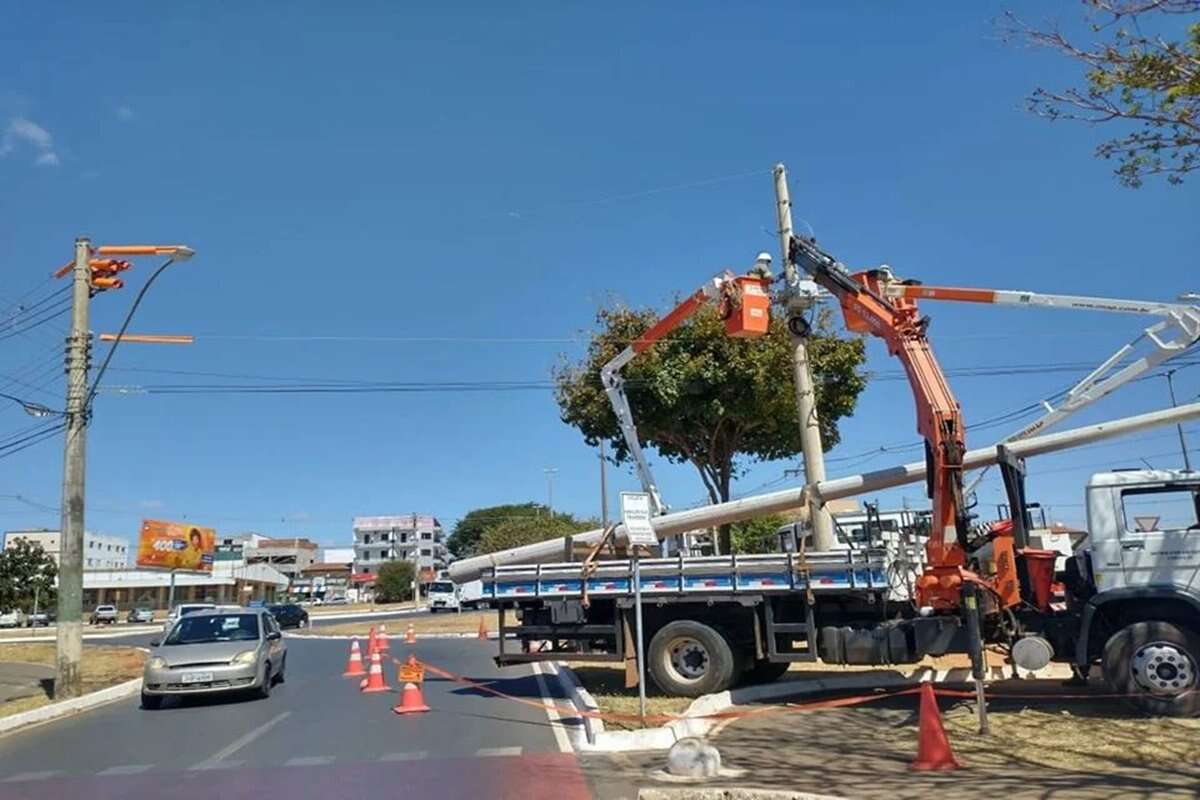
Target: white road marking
(208,765)
(556,725)
(498,751)
(125,769)
(416,755)
(308,761)
(32,776)
(242,741)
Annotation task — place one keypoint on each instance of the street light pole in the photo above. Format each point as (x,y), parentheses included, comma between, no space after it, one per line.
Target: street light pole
(69,644)
(550,471)
(1187,462)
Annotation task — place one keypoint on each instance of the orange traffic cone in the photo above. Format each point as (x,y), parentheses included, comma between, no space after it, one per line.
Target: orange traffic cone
(375,681)
(411,701)
(483,631)
(372,645)
(381,641)
(410,635)
(933,748)
(354,667)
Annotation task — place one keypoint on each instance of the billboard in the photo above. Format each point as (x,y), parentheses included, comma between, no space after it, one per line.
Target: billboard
(175,545)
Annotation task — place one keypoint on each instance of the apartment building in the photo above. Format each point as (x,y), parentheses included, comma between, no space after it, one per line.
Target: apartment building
(410,537)
(100,551)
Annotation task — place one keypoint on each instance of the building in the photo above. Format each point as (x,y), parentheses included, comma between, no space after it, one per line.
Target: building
(338,555)
(289,556)
(322,581)
(410,537)
(229,583)
(100,551)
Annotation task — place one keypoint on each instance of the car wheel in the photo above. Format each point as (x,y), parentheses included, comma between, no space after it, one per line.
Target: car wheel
(151,702)
(264,688)
(688,659)
(1157,666)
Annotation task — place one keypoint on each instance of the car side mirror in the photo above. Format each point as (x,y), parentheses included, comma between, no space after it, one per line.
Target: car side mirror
(274,636)
(155,642)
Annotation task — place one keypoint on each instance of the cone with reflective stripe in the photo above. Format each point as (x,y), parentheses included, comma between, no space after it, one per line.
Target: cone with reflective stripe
(381,641)
(354,667)
(933,748)
(411,700)
(375,681)
(372,646)
(483,631)
(410,635)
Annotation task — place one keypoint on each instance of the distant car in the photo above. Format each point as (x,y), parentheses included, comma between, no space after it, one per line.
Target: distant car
(104,615)
(40,618)
(216,652)
(337,601)
(136,615)
(442,596)
(289,615)
(14,618)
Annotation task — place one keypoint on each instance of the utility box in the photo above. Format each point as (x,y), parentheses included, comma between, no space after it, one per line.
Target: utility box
(747,311)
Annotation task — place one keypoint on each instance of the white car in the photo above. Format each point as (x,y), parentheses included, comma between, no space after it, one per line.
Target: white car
(12,619)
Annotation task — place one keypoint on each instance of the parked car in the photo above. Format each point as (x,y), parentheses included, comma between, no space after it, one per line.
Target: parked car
(14,618)
(337,601)
(210,652)
(290,615)
(41,617)
(104,615)
(136,615)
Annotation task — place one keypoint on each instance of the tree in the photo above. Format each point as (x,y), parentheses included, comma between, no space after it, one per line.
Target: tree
(517,532)
(26,570)
(464,540)
(1148,84)
(757,535)
(701,397)
(394,582)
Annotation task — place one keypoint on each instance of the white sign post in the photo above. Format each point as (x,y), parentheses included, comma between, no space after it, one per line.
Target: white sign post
(635,514)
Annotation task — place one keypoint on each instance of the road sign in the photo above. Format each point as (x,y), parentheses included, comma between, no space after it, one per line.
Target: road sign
(411,673)
(635,513)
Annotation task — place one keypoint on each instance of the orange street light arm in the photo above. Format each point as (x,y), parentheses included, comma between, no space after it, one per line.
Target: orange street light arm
(178,252)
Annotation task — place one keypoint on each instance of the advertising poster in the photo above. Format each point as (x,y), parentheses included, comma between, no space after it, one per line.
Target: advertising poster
(175,545)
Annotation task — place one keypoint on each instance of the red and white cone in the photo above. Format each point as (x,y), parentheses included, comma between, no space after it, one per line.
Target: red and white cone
(372,645)
(354,667)
(381,641)
(375,681)
(411,700)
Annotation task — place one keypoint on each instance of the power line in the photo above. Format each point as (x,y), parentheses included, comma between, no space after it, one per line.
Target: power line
(42,317)
(29,441)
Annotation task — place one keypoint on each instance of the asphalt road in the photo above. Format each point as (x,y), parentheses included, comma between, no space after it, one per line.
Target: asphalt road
(316,736)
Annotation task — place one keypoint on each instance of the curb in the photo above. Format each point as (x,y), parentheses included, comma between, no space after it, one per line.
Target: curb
(131,631)
(697,720)
(72,706)
(730,793)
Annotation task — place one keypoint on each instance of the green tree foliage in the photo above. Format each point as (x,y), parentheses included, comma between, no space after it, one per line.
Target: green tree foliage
(701,397)
(394,582)
(1134,78)
(25,569)
(757,535)
(464,539)
(517,532)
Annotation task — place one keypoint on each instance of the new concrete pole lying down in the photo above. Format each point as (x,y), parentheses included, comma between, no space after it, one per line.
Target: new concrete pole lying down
(760,505)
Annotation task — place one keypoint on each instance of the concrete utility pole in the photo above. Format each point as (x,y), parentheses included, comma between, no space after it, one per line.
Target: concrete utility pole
(603,489)
(1187,462)
(806,404)
(550,489)
(68,679)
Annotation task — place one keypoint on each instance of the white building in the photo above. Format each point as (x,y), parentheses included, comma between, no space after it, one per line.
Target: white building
(410,537)
(338,555)
(100,551)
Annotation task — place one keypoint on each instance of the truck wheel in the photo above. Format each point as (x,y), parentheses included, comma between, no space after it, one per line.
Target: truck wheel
(765,671)
(1155,665)
(688,659)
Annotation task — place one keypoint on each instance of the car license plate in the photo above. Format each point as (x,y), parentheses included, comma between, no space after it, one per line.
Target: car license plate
(196,677)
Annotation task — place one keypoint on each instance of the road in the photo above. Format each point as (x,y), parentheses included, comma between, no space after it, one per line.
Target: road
(316,736)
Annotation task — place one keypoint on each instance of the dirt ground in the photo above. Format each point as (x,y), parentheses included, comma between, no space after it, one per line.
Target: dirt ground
(448,622)
(102,667)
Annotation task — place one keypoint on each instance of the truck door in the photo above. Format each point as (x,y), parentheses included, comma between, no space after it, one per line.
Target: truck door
(1160,538)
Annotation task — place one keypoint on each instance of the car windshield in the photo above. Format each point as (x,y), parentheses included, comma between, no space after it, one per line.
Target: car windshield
(209,628)
(444,587)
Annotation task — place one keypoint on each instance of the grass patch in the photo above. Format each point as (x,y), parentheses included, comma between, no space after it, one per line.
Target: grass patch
(352,608)
(606,682)
(102,667)
(444,622)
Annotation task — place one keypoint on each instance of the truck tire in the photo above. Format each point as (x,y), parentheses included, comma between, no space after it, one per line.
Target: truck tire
(1155,665)
(765,671)
(688,659)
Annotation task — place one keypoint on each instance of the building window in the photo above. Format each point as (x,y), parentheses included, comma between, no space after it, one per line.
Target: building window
(426,536)
(425,551)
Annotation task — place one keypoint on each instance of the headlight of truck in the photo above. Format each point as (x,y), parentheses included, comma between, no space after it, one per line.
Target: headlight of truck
(157,663)
(246,657)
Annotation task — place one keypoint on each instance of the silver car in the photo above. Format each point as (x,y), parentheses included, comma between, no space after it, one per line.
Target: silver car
(211,652)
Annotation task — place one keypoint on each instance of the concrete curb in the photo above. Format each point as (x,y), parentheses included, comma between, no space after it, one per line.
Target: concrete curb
(72,706)
(729,793)
(697,719)
(585,735)
(131,631)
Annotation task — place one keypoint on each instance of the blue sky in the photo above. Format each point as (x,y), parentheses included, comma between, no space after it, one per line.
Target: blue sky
(454,192)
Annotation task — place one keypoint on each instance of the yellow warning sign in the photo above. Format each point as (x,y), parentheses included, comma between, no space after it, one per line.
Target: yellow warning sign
(411,673)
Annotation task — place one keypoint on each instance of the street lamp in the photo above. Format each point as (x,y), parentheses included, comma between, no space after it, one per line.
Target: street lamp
(31,408)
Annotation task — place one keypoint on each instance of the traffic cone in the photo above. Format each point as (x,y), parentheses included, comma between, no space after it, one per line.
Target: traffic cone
(933,748)
(411,700)
(354,667)
(375,681)
(381,641)
(483,631)
(410,635)
(372,645)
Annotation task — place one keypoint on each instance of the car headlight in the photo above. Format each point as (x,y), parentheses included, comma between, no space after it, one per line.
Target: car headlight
(157,663)
(246,657)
